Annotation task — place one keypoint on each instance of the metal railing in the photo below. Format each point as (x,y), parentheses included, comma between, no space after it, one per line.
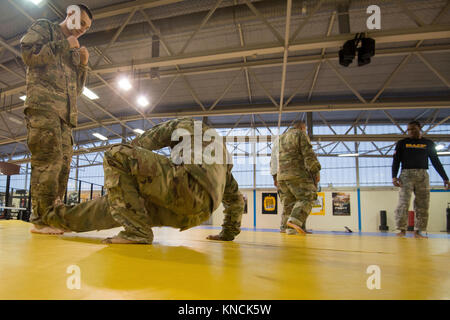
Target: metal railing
(16,203)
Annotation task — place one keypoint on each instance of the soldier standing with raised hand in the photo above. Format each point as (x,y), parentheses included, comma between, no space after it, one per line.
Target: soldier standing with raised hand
(413,153)
(56,74)
(298,177)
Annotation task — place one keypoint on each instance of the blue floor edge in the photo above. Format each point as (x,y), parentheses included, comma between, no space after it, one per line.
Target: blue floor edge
(442,235)
(371,234)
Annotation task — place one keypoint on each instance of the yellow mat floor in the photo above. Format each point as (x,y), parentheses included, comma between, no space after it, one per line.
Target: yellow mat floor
(184,265)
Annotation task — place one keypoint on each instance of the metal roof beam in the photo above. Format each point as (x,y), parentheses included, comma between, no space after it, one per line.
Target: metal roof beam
(127,7)
(285,58)
(266,109)
(225,67)
(423,33)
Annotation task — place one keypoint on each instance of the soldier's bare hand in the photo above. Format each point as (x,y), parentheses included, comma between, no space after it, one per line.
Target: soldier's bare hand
(216,237)
(396,182)
(446,184)
(84,55)
(73,42)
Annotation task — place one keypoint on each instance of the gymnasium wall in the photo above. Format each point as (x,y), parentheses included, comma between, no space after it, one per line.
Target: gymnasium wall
(372,201)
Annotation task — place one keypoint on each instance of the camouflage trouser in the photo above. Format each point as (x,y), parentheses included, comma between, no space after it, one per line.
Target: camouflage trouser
(285,216)
(51,145)
(298,197)
(146,189)
(417,181)
(83,217)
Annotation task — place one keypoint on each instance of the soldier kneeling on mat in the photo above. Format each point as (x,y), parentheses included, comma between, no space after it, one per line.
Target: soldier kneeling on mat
(146,189)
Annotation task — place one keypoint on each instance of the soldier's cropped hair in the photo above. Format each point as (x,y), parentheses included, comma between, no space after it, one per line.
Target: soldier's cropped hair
(416,123)
(86,9)
(299,124)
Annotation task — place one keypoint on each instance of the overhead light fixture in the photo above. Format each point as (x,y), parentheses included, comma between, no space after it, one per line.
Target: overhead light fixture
(125,84)
(142,101)
(365,51)
(101,137)
(23,98)
(90,94)
(347,53)
(139,131)
(36,2)
(440,147)
(15,119)
(444,153)
(348,155)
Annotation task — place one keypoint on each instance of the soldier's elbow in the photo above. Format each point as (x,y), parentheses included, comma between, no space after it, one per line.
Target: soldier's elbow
(26,59)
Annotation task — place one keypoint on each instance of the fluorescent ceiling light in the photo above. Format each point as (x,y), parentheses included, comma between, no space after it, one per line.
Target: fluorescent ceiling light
(36,2)
(101,137)
(142,101)
(23,98)
(90,94)
(444,153)
(440,147)
(125,84)
(16,120)
(139,131)
(348,155)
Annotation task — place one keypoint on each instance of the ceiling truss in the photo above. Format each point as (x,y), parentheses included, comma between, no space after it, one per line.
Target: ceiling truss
(286,46)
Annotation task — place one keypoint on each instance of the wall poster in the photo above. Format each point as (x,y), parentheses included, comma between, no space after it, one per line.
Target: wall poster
(341,204)
(269,203)
(318,208)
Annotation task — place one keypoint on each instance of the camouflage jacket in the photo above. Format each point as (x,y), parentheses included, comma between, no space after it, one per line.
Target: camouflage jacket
(274,156)
(297,159)
(217,179)
(55,76)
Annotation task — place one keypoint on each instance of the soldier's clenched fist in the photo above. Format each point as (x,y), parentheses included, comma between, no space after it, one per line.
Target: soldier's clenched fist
(73,42)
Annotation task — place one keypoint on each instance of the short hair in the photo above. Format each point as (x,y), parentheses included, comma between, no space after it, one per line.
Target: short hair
(415,123)
(86,9)
(299,124)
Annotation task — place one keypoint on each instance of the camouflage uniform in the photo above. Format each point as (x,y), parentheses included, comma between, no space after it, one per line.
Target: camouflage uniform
(148,190)
(273,173)
(297,168)
(417,181)
(55,78)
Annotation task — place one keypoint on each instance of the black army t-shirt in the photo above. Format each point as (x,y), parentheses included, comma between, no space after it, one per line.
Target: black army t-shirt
(414,154)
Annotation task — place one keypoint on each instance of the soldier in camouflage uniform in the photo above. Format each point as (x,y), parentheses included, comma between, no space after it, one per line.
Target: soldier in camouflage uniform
(56,74)
(146,190)
(297,177)
(273,173)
